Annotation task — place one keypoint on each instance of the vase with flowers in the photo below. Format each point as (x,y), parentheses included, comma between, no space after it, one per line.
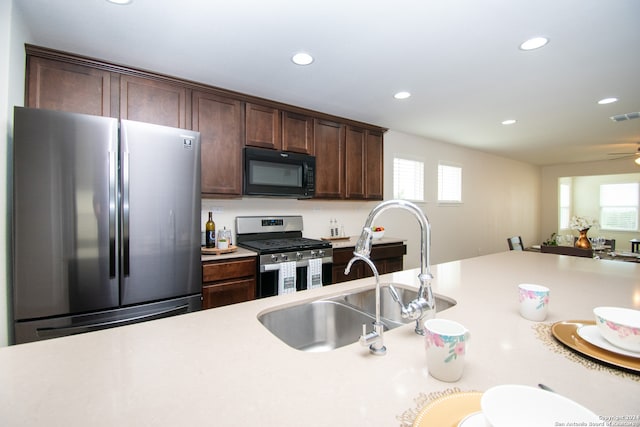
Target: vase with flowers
(582,225)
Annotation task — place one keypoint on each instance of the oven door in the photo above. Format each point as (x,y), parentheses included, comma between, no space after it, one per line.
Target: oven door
(267,283)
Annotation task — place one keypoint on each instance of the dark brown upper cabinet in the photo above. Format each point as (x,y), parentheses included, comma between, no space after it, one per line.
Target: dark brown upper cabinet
(354,158)
(297,133)
(262,126)
(219,121)
(374,161)
(69,87)
(364,164)
(330,165)
(153,101)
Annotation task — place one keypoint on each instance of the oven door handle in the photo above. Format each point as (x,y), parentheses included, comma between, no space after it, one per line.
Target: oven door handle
(270,267)
(299,263)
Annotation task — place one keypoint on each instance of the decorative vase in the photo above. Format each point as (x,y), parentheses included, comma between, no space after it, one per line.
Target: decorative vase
(583,241)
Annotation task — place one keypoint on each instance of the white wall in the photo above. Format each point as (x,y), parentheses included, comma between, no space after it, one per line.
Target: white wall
(501,198)
(12,59)
(550,175)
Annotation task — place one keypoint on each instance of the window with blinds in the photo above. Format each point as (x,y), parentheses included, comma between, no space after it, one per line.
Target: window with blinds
(408,179)
(619,206)
(449,183)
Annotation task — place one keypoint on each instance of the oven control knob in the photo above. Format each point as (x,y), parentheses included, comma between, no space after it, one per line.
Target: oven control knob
(321,253)
(285,257)
(312,254)
(299,255)
(274,258)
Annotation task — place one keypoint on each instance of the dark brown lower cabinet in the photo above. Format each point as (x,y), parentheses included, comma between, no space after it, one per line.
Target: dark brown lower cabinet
(387,257)
(228,281)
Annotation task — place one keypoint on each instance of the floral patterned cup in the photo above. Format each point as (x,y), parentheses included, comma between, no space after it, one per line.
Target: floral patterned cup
(445,345)
(534,301)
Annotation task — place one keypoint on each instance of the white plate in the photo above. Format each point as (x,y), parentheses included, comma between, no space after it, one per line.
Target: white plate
(592,335)
(476,419)
(523,406)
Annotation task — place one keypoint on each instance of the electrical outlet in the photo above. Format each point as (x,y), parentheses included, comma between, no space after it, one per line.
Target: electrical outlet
(217,209)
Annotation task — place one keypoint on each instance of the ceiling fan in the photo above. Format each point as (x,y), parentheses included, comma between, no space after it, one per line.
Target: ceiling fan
(635,154)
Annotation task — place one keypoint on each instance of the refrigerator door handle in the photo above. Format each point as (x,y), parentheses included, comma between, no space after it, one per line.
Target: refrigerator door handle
(125,212)
(113,256)
(77,329)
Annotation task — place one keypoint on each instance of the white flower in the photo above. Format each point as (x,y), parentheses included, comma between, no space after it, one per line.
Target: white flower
(582,223)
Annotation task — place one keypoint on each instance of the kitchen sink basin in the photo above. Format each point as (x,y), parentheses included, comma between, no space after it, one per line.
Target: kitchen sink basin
(389,308)
(330,323)
(316,326)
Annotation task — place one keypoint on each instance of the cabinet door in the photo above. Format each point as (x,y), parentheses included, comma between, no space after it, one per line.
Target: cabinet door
(262,127)
(354,160)
(61,86)
(329,147)
(229,292)
(297,133)
(218,119)
(153,101)
(374,166)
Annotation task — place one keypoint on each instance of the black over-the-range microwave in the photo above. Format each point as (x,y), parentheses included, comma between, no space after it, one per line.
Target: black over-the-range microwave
(278,173)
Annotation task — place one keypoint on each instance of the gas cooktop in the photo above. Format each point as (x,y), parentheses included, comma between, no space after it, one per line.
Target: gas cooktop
(285,244)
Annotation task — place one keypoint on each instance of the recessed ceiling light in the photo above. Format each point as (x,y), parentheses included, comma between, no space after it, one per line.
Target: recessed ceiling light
(534,43)
(120,2)
(509,122)
(302,58)
(607,101)
(402,95)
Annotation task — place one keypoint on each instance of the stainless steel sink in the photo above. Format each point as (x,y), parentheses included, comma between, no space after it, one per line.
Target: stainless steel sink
(316,326)
(330,323)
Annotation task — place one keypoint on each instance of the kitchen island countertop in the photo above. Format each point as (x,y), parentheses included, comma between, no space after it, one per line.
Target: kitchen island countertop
(222,367)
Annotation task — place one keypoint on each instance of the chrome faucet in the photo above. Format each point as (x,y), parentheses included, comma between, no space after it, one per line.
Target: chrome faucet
(374,339)
(424,306)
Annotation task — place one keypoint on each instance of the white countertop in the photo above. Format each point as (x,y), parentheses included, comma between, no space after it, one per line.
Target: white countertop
(239,253)
(222,367)
(352,240)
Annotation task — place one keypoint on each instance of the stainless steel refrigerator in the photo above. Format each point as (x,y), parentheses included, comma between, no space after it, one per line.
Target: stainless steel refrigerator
(106,223)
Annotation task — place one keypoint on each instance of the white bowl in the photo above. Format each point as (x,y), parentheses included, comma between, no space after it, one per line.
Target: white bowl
(620,326)
(378,234)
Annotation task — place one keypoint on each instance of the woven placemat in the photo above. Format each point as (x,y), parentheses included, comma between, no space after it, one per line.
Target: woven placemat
(544,334)
(423,399)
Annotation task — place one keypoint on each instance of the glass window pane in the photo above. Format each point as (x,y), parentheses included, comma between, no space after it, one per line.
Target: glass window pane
(449,183)
(408,179)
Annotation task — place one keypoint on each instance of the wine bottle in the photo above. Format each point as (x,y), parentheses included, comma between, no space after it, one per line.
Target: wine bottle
(210,236)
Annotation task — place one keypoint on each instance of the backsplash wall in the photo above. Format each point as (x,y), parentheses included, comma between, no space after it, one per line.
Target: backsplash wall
(316,213)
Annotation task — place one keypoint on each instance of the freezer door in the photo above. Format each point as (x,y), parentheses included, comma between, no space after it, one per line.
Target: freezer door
(61,326)
(64,229)
(160,212)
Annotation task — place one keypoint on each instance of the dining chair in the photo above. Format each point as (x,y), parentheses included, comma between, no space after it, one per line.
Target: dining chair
(515,243)
(611,243)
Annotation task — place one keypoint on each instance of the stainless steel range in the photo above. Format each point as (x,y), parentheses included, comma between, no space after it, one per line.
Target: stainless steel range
(288,262)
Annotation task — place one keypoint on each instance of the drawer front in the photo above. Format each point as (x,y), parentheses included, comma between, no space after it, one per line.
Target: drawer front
(226,293)
(393,250)
(229,269)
